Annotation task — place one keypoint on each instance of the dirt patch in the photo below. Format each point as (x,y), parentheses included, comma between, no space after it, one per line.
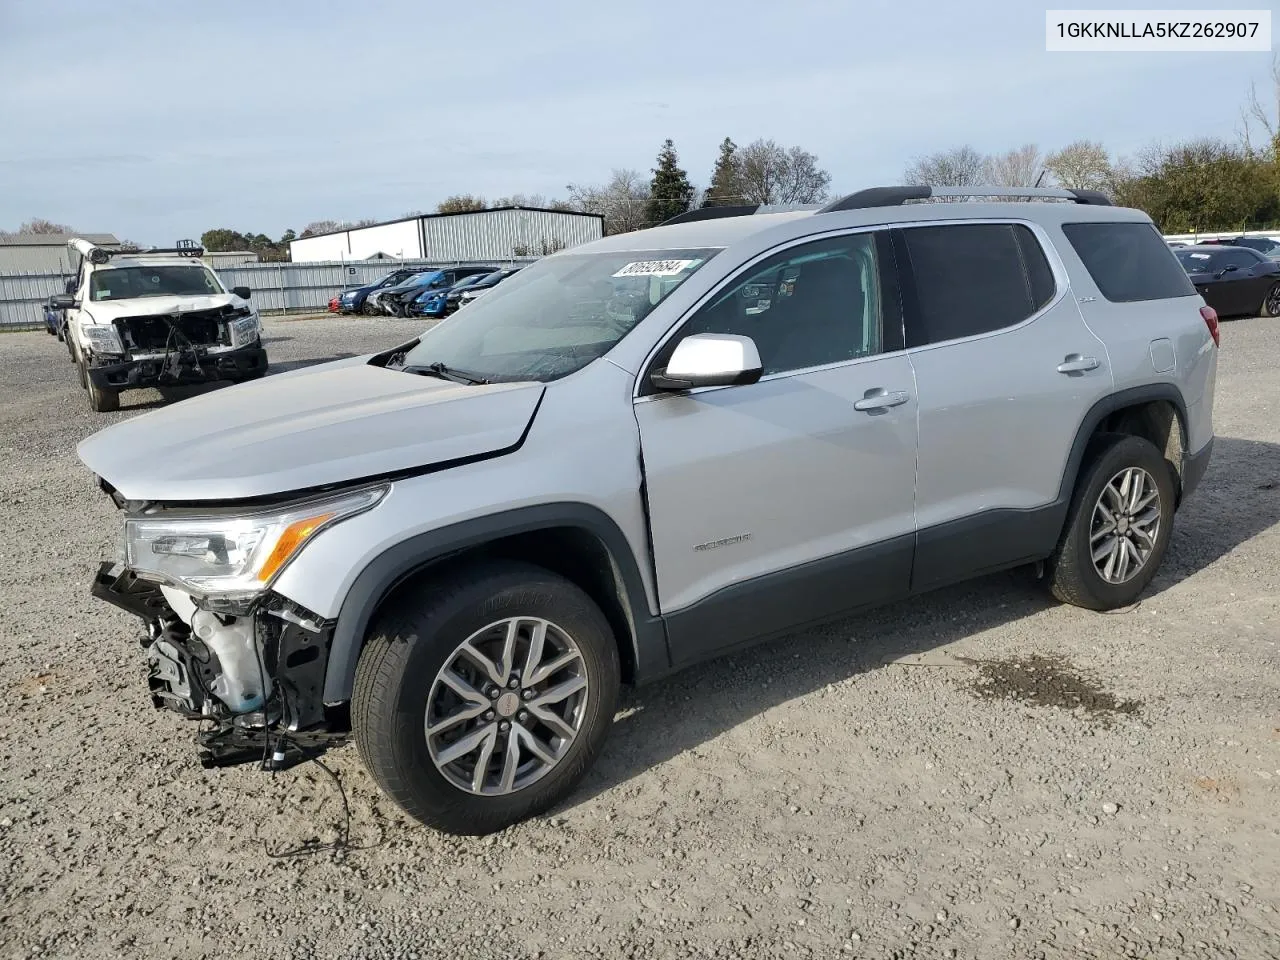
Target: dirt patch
(1047,682)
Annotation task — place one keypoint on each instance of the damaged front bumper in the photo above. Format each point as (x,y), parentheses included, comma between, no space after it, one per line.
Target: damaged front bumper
(181,366)
(273,710)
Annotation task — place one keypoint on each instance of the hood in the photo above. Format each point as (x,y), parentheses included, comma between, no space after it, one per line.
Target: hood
(105,311)
(329,424)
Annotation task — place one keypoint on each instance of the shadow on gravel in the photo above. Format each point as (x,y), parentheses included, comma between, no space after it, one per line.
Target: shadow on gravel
(1238,499)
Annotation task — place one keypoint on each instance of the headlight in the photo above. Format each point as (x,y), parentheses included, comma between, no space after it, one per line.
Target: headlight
(102,339)
(245,330)
(233,557)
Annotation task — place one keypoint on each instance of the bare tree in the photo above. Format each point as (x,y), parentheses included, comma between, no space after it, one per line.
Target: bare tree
(958,167)
(321,226)
(1083,165)
(1016,168)
(1265,113)
(523,200)
(461,203)
(770,173)
(41,226)
(621,201)
(363,222)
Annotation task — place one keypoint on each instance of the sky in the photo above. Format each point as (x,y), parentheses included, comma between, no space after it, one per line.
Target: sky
(160,120)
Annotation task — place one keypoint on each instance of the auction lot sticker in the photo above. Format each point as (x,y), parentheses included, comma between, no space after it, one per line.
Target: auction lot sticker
(655,268)
(1172,31)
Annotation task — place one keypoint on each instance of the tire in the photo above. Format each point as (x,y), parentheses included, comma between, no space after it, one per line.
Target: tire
(80,369)
(101,399)
(398,686)
(1072,573)
(1271,303)
(369,310)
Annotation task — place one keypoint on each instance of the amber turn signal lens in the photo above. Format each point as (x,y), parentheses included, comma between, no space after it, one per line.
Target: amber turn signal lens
(293,537)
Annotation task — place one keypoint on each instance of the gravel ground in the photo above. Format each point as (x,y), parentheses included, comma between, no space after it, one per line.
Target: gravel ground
(979,773)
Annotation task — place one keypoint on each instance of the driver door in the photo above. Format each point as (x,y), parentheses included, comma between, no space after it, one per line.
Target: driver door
(789,500)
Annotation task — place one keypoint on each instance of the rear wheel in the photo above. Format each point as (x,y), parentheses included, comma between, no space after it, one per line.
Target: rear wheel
(1118,527)
(483,697)
(1271,302)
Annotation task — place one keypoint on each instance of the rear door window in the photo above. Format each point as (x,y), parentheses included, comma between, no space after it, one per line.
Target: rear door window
(971,278)
(1128,261)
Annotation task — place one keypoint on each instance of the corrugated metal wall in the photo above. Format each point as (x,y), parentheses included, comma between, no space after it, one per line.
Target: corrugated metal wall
(41,259)
(481,235)
(275,286)
(506,233)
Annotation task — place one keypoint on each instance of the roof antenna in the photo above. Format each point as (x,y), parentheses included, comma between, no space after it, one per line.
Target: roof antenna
(1040,179)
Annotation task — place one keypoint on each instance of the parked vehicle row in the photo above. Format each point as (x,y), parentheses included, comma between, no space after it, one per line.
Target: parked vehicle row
(639,454)
(409,292)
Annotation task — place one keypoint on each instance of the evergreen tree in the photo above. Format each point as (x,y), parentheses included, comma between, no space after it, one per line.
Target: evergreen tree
(724,189)
(670,192)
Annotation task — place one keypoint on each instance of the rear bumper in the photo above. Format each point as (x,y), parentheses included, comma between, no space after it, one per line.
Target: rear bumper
(1194,466)
(238,364)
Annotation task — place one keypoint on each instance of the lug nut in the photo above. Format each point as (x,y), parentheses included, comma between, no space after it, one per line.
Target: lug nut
(504,726)
(492,693)
(523,716)
(489,715)
(528,694)
(513,682)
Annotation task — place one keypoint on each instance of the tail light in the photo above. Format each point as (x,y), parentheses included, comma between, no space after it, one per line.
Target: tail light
(1211,321)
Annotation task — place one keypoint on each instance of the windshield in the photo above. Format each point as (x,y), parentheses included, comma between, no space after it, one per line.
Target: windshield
(556,316)
(127,283)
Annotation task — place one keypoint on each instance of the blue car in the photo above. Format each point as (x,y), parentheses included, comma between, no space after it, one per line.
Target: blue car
(436,302)
(355,299)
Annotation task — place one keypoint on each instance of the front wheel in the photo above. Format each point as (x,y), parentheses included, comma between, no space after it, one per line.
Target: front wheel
(1118,527)
(101,399)
(483,697)
(1271,302)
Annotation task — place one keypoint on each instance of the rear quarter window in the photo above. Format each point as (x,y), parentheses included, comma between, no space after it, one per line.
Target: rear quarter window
(1128,261)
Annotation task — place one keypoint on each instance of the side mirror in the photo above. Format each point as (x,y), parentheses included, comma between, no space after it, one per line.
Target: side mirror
(242,292)
(62,301)
(710,360)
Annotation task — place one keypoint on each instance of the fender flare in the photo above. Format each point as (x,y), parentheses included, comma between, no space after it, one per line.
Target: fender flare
(1108,405)
(391,568)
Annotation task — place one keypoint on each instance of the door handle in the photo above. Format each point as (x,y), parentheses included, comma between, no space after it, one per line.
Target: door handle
(1074,363)
(881,399)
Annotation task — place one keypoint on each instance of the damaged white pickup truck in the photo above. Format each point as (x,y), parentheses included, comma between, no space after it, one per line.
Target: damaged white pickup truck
(154,318)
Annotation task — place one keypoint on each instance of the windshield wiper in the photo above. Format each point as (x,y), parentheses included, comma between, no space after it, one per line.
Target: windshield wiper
(444,372)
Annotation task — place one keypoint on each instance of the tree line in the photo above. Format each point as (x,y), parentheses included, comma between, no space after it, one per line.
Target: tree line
(1199,185)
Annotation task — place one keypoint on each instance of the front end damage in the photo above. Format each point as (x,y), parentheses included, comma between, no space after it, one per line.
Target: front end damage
(187,347)
(256,677)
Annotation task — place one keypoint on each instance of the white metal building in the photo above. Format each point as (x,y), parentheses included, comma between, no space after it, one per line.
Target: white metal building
(498,234)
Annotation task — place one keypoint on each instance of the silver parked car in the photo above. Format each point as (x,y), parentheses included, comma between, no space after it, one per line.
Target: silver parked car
(647,451)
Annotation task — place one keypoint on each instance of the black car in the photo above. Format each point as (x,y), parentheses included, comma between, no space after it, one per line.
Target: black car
(1233,280)
(1264,245)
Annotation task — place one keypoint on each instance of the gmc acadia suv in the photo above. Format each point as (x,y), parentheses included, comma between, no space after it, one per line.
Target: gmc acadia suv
(647,451)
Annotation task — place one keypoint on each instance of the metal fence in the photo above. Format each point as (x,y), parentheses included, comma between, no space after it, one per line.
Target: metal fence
(277,287)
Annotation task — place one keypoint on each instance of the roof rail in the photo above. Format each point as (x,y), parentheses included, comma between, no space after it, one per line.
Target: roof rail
(896,196)
(96,254)
(712,213)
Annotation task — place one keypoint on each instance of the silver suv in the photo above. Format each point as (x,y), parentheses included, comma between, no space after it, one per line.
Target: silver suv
(645,452)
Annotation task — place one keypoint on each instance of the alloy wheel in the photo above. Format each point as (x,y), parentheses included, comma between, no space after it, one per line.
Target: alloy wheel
(506,706)
(1125,525)
(1273,301)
